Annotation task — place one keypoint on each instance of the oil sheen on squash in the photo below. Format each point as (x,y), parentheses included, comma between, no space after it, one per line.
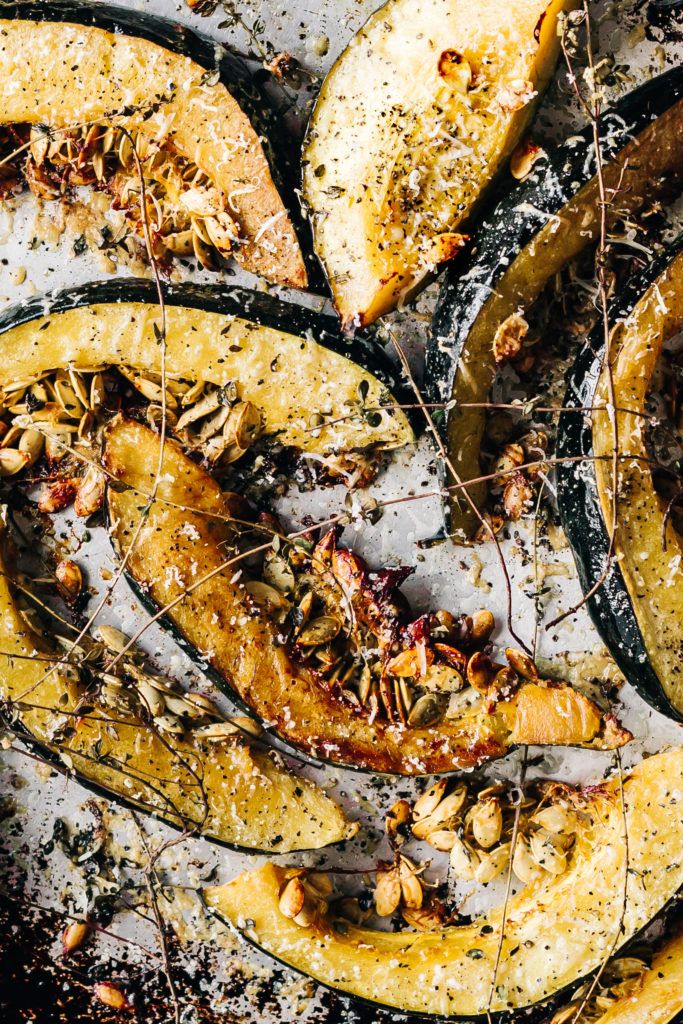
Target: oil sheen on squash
(538,228)
(557,930)
(649,549)
(179,562)
(246,799)
(408,131)
(64,74)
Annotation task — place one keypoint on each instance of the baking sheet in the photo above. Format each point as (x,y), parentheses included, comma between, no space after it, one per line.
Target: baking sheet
(220,979)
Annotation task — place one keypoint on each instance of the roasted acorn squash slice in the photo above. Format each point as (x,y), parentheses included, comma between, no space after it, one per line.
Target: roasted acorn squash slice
(244,798)
(529,236)
(289,362)
(412,123)
(178,563)
(639,608)
(556,930)
(657,996)
(78,65)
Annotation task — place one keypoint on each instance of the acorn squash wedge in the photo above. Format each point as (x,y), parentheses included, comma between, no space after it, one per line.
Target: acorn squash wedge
(77,74)
(532,233)
(412,123)
(229,792)
(290,362)
(180,562)
(556,930)
(657,996)
(639,608)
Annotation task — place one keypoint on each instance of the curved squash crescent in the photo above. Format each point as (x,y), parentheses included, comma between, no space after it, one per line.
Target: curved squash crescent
(69,72)
(556,931)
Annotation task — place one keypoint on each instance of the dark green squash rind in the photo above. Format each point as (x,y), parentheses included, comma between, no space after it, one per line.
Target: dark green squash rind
(582,519)
(555,180)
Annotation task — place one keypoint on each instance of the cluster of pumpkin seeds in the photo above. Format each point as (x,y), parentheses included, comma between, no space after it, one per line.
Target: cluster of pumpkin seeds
(186,214)
(172,710)
(58,411)
(206,418)
(332,624)
(304,896)
(48,413)
(621,978)
(512,488)
(475,827)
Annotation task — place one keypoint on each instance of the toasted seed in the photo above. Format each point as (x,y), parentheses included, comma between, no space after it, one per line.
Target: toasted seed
(320,882)
(319,631)
(479,671)
(270,598)
(426,710)
(521,663)
(442,679)
(204,407)
(112,995)
(556,818)
(442,839)
(399,814)
(492,864)
(111,637)
(216,732)
(387,892)
(548,852)
(365,684)
(523,864)
(309,912)
(32,443)
(424,919)
(169,724)
(464,860)
(483,624)
(70,578)
(151,698)
(200,706)
(244,424)
(278,573)
(428,802)
(74,935)
(13,461)
(90,494)
(412,893)
(486,819)
(292,898)
(412,662)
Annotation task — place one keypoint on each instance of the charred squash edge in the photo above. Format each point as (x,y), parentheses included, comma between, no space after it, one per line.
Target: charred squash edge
(213,56)
(506,231)
(581,513)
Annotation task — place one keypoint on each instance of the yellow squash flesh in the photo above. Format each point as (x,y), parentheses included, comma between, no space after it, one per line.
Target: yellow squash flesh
(658,995)
(64,75)
(648,548)
(178,560)
(287,377)
(641,169)
(557,930)
(398,151)
(243,798)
